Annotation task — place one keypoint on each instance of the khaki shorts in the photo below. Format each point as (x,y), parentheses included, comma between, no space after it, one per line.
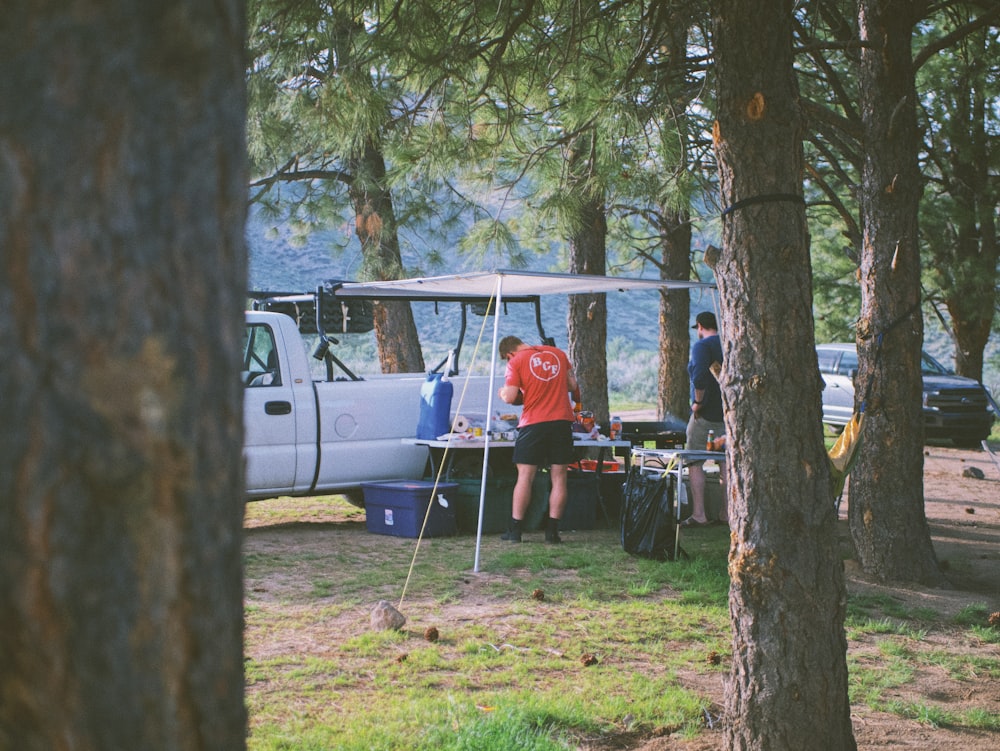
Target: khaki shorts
(697,432)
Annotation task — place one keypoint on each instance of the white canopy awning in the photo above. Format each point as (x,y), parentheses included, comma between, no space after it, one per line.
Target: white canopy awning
(499,286)
(514,284)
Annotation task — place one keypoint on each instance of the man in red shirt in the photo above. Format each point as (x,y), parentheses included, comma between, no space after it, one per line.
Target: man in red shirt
(541,378)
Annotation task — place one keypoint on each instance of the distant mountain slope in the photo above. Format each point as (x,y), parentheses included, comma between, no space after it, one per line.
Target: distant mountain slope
(276,263)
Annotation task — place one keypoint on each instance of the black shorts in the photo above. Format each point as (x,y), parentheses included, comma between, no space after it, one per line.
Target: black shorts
(544,444)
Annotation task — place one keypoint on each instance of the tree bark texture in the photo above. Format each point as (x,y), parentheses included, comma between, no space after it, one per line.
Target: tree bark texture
(375,223)
(587,316)
(673,394)
(886,511)
(121,295)
(788,683)
(969,266)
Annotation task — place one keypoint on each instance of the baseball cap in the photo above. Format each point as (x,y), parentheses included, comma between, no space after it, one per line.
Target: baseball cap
(707,320)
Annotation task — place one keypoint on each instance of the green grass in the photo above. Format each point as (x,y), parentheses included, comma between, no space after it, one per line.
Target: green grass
(972,615)
(625,405)
(510,672)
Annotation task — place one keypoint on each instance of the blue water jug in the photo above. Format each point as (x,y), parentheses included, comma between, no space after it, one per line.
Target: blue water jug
(435,407)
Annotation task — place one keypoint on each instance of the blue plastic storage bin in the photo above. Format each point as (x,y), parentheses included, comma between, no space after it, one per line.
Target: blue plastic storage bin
(398,507)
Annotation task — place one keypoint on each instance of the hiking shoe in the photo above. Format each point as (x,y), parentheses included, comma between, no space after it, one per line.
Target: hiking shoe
(511,535)
(552,538)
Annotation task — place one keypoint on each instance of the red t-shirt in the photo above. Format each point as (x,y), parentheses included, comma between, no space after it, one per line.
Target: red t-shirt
(541,372)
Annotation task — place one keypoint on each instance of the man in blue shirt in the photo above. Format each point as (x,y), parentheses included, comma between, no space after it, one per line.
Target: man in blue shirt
(706,415)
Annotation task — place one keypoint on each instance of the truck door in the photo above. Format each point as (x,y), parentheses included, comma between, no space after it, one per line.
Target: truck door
(268,416)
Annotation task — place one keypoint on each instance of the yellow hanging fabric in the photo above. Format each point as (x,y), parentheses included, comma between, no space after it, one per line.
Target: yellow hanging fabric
(844,453)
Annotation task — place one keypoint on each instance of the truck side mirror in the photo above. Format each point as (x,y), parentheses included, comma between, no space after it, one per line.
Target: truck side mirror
(322,347)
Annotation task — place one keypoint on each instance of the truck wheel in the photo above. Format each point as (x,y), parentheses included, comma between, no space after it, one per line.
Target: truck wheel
(354,497)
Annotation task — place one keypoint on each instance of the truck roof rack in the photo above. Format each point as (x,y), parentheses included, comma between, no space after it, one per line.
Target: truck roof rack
(325,313)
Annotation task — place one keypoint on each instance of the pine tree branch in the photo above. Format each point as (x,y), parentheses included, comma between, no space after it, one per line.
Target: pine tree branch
(989,18)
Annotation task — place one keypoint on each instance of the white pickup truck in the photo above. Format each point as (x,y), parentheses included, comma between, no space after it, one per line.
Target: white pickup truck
(306,436)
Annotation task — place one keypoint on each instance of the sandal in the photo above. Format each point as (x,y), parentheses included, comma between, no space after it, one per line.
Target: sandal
(692,522)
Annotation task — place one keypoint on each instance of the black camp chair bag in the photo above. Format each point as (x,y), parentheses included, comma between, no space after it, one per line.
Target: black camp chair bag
(649,528)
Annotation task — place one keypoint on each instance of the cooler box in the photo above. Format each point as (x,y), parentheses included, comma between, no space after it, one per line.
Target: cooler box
(496,505)
(398,507)
(581,501)
(612,493)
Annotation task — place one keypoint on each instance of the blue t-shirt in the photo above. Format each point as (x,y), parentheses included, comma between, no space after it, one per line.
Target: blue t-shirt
(703,354)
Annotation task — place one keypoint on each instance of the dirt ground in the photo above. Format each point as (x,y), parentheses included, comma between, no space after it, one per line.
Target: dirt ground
(964,518)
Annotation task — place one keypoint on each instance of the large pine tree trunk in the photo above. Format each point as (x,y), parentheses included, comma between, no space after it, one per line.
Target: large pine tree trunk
(587,317)
(788,683)
(673,394)
(964,254)
(971,265)
(972,330)
(375,224)
(121,297)
(887,519)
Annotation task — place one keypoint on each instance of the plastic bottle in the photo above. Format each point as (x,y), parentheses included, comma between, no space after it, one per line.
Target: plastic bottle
(710,443)
(616,428)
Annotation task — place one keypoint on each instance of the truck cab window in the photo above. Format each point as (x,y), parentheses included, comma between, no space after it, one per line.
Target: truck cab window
(260,357)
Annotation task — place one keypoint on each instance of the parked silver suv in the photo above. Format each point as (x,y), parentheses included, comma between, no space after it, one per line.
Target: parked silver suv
(955,407)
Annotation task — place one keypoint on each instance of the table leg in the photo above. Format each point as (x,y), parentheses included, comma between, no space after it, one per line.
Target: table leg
(681,496)
(600,495)
(438,459)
